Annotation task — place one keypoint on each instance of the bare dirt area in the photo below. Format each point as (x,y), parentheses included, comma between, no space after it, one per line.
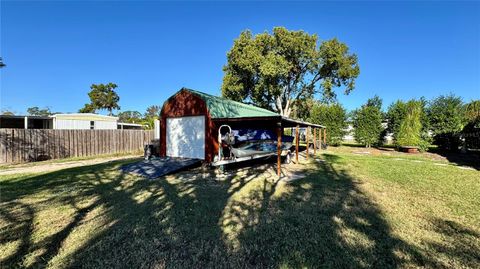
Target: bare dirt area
(50,166)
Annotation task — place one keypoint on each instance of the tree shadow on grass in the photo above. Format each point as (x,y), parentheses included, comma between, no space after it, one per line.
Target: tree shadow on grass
(147,223)
(190,220)
(324,220)
(471,159)
(457,241)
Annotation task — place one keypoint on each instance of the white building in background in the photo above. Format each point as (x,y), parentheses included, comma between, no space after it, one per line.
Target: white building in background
(350,130)
(84,121)
(73,121)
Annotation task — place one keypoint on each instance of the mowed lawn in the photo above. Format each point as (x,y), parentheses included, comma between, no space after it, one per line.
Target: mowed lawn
(351,211)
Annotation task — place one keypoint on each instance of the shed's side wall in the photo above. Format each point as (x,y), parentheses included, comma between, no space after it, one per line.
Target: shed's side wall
(186,104)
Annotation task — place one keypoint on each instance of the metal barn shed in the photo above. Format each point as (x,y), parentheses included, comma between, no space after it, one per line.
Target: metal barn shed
(190,120)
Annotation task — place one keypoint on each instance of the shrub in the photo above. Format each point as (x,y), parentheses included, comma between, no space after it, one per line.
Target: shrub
(334,117)
(395,114)
(409,131)
(471,132)
(447,120)
(367,122)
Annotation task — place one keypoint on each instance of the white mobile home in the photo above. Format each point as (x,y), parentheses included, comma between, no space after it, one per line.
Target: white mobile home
(73,121)
(84,121)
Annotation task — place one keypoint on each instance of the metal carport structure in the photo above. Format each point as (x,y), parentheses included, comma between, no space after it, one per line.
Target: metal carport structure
(190,120)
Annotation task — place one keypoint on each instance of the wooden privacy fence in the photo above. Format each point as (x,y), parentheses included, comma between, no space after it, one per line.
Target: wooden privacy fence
(27,145)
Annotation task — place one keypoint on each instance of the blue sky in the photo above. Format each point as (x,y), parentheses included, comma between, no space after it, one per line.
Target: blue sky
(55,50)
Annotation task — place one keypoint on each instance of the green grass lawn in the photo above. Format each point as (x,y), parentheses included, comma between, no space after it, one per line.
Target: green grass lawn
(351,211)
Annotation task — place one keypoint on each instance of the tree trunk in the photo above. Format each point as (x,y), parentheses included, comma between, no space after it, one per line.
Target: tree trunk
(284,111)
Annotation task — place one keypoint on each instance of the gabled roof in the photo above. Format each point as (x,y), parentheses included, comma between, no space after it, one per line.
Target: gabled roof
(222,108)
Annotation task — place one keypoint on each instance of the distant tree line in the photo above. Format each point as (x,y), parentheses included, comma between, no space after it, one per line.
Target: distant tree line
(147,119)
(445,121)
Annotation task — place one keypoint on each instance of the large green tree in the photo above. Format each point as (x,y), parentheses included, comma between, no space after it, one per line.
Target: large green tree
(367,122)
(446,116)
(88,108)
(334,116)
(302,108)
(275,70)
(102,96)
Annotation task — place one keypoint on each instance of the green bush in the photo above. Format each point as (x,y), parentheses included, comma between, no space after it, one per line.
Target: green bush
(409,131)
(396,114)
(367,122)
(447,119)
(471,131)
(334,117)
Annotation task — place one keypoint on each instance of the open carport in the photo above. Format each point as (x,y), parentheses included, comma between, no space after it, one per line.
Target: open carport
(190,121)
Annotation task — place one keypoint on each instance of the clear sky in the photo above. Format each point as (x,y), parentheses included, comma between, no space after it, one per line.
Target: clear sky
(55,50)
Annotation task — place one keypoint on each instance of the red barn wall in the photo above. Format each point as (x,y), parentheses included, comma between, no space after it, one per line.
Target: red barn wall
(183,104)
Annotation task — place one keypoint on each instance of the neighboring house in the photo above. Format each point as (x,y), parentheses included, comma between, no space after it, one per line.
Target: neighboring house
(348,137)
(350,130)
(73,121)
(84,121)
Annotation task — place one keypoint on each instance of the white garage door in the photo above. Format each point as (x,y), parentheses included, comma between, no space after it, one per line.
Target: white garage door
(186,137)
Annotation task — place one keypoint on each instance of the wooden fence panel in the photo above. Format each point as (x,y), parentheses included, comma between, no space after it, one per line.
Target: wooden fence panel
(24,145)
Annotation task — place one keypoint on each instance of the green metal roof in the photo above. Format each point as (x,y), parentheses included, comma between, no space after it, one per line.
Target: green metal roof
(221,108)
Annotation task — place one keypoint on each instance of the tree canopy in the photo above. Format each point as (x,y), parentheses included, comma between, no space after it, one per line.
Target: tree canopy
(332,115)
(472,128)
(472,111)
(88,108)
(410,129)
(36,111)
(7,112)
(274,70)
(130,116)
(153,111)
(447,119)
(102,96)
(397,112)
(367,122)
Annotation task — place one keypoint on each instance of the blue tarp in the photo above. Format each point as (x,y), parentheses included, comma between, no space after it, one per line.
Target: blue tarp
(244,135)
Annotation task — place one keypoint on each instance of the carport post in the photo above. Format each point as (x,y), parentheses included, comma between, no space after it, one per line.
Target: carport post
(308,134)
(320,138)
(279,148)
(314,141)
(296,143)
(325,136)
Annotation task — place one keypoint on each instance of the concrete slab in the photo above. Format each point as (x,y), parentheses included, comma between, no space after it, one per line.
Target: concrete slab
(158,167)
